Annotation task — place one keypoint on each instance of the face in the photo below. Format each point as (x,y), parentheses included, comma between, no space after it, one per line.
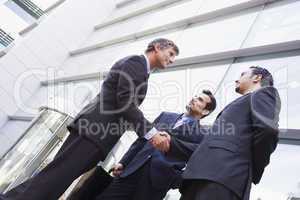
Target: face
(197,105)
(164,57)
(245,82)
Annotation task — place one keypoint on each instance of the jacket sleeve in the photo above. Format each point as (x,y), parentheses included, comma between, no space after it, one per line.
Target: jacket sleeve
(130,80)
(137,145)
(265,108)
(183,147)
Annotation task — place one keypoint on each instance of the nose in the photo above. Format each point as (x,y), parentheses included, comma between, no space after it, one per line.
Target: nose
(171,60)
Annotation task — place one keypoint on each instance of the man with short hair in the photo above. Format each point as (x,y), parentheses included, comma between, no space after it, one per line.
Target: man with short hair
(98,127)
(239,144)
(147,173)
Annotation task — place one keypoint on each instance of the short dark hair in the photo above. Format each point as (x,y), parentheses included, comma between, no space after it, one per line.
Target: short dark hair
(163,43)
(267,78)
(213,103)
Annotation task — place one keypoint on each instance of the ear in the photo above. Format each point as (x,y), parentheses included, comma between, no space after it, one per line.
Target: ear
(156,47)
(205,112)
(257,78)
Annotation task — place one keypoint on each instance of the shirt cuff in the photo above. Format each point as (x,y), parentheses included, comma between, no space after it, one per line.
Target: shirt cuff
(151,133)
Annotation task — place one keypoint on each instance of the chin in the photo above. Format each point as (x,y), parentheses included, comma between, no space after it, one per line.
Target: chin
(188,108)
(238,90)
(163,66)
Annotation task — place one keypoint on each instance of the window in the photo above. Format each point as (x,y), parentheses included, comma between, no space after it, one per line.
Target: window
(5,39)
(278,22)
(20,12)
(30,8)
(285,69)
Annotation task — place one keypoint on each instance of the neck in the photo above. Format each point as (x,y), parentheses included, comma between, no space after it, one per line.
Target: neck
(197,117)
(151,59)
(252,89)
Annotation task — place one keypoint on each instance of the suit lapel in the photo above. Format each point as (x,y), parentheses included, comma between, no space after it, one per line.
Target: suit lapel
(175,119)
(238,99)
(168,121)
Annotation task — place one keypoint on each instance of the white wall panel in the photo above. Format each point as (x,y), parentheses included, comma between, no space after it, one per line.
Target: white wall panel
(102,59)
(172,14)
(212,5)
(140,4)
(216,36)
(5,143)
(117,30)
(73,95)
(44,4)
(3,118)
(10,133)
(10,22)
(47,46)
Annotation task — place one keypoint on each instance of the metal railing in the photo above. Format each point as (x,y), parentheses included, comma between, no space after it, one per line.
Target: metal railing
(35,149)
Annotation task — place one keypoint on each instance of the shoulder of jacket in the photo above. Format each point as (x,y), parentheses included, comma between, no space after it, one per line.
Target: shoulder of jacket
(266,90)
(132,59)
(170,113)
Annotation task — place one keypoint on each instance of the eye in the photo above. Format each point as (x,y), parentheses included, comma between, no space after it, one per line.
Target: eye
(200,98)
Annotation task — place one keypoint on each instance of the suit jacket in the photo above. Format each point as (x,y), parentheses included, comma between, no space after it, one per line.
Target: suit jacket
(107,116)
(165,168)
(239,143)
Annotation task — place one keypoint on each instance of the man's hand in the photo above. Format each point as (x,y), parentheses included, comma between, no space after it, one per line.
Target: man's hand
(161,141)
(117,169)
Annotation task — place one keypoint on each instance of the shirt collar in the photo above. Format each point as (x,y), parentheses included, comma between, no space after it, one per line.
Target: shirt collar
(148,63)
(184,116)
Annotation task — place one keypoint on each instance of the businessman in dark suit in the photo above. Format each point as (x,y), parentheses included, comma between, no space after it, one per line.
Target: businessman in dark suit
(100,124)
(239,144)
(147,173)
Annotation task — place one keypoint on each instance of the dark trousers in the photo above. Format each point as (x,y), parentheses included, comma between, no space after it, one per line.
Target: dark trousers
(206,190)
(93,186)
(77,156)
(136,186)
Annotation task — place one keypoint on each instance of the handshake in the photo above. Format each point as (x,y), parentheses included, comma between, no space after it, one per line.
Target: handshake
(161,141)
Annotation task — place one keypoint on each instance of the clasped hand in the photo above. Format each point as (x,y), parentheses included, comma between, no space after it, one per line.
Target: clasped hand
(161,141)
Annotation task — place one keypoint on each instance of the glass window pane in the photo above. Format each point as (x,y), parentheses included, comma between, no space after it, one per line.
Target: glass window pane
(280,177)
(285,72)
(278,22)
(171,91)
(1,47)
